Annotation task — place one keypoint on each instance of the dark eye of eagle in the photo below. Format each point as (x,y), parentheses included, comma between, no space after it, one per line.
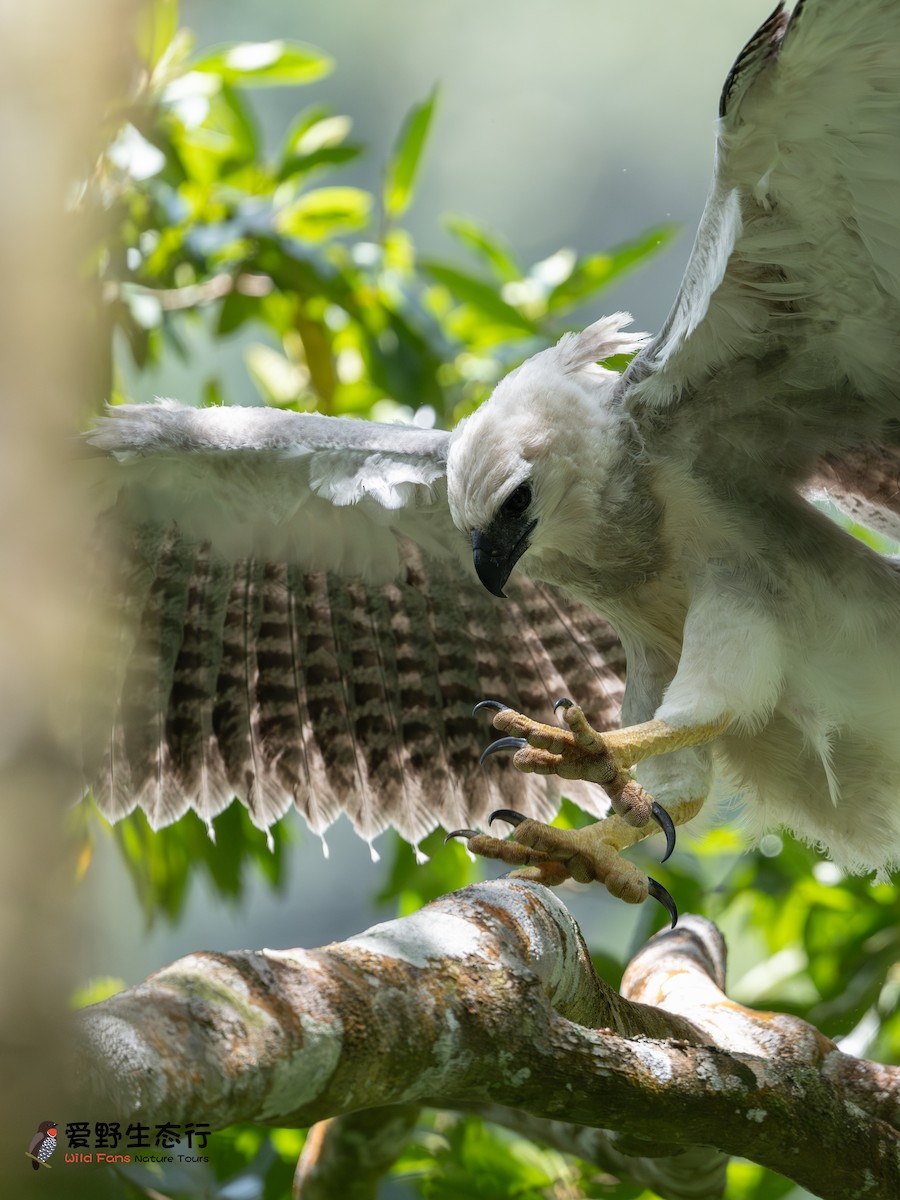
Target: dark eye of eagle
(517,501)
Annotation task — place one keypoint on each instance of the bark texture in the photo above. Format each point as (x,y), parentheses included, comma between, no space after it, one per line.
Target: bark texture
(488,998)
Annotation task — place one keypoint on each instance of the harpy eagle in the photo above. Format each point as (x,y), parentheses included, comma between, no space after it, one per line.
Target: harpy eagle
(310,603)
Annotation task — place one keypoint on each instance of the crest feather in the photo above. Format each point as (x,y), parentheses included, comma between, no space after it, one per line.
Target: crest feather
(599,341)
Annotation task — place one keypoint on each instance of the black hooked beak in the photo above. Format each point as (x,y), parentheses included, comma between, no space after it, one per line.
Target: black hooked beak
(495,553)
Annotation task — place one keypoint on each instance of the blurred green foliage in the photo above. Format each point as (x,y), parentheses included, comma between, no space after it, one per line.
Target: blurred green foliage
(205,226)
(206,229)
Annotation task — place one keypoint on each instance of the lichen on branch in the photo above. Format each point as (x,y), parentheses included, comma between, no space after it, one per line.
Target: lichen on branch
(488,997)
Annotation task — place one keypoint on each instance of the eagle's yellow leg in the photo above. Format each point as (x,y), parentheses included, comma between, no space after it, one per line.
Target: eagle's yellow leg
(580,752)
(551,855)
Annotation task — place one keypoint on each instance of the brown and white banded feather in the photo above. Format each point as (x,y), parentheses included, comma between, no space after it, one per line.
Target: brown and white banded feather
(284,687)
(865,484)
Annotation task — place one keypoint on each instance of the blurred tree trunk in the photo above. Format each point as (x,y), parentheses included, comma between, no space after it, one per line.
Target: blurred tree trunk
(488,997)
(60,62)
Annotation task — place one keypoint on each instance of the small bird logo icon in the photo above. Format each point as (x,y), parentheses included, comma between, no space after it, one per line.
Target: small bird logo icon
(42,1144)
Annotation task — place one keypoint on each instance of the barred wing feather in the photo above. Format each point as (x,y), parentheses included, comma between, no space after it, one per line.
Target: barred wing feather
(294,620)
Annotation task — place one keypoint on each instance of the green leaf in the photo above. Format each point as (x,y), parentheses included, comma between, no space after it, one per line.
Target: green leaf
(400,361)
(223,142)
(596,272)
(95,990)
(412,884)
(747,1181)
(325,212)
(315,139)
(238,124)
(570,816)
(278,379)
(212,394)
(327,156)
(400,178)
(157,24)
(314,128)
(483,1163)
(479,295)
(476,238)
(265,64)
(162,863)
(235,310)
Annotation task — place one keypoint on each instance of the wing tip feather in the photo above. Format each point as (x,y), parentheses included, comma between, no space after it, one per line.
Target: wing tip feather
(762,47)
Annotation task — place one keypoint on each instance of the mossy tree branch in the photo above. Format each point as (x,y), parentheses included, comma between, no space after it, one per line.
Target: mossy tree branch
(488,997)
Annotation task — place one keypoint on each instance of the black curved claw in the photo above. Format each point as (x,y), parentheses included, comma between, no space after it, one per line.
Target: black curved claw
(659,814)
(496,705)
(506,814)
(466,833)
(563,702)
(658,892)
(505,743)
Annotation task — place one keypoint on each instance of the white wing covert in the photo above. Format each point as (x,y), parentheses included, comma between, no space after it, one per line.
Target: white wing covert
(293,619)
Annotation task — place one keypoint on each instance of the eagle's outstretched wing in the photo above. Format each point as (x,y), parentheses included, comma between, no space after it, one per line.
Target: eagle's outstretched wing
(782,343)
(294,620)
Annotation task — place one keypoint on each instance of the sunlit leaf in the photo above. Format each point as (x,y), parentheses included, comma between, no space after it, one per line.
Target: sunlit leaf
(486,246)
(278,310)
(479,294)
(747,1181)
(482,1162)
(316,139)
(314,129)
(325,212)
(239,126)
(223,141)
(212,394)
(596,272)
(356,399)
(168,249)
(157,23)
(399,251)
(403,167)
(302,122)
(133,153)
(96,990)
(570,816)
(872,537)
(554,270)
(265,64)
(277,378)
